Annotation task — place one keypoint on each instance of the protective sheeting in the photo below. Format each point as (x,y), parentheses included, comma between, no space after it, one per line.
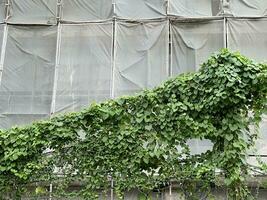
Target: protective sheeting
(33,12)
(243,8)
(27,80)
(9,120)
(88,67)
(2,11)
(84,10)
(141,56)
(194,8)
(2,29)
(261,143)
(46,11)
(249,36)
(85,65)
(192,42)
(198,146)
(140,9)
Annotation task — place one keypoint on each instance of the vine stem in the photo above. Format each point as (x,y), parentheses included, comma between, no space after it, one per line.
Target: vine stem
(112,191)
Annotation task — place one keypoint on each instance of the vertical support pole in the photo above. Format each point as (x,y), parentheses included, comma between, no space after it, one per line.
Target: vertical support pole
(50,191)
(149,70)
(112,190)
(169,38)
(53,103)
(114,7)
(224,33)
(168,7)
(7,10)
(170,47)
(3,51)
(58,14)
(170,191)
(114,32)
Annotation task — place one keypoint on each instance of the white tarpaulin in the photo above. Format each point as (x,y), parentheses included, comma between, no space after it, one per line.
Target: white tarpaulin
(84,10)
(3,32)
(27,81)
(2,28)
(9,120)
(33,11)
(140,9)
(249,36)
(2,11)
(198,146)
(194,8)
(248,7)
(261,143)
(85,65)
(193,42)
(141,56)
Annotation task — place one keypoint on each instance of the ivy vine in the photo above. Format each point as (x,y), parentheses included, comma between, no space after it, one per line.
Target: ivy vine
(142,141)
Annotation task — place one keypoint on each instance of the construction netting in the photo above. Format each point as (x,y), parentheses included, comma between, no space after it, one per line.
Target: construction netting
(61,55)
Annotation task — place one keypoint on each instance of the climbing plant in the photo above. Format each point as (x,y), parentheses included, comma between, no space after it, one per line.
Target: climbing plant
(141,141)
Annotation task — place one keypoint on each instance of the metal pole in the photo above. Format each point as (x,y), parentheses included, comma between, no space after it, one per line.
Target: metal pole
(170,191)
(53,104)
(113,58)
(168,7)
(224,33)
(7,9)
(59,14)
(149,75)
(3,51)
(168,60)
(112,191)
(114,6)
(170,47)
(50,191)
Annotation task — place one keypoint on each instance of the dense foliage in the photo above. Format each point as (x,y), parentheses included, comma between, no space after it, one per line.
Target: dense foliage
(142,141)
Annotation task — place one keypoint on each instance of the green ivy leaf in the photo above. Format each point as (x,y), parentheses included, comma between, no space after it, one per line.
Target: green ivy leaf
(148,127)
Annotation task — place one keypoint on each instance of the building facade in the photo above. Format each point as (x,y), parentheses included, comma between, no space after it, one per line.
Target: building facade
(61,55)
